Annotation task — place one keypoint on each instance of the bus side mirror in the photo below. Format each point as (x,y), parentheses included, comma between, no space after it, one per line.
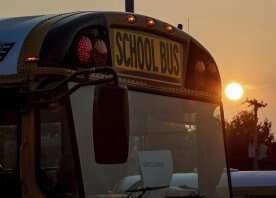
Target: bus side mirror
(111,124)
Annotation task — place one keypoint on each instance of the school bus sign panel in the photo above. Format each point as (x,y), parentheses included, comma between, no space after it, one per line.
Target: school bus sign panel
(147,56)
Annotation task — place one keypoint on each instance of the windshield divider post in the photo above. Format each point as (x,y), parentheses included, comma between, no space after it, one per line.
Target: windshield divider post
(226,151)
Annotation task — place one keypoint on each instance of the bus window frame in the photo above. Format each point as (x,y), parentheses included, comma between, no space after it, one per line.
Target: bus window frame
(11,105)
(17,115)
(72,135)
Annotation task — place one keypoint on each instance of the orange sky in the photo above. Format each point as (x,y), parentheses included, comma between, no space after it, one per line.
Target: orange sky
(239,34)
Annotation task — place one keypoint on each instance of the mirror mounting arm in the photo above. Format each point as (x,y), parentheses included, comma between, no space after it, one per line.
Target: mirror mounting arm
(83,79)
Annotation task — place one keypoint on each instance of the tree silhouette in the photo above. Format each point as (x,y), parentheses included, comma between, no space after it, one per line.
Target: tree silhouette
(240,133)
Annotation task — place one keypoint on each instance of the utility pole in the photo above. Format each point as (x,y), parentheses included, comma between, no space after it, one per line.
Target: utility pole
(129,5)
(256,106)
(188,22)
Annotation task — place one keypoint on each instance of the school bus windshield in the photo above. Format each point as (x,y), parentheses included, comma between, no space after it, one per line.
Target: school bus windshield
(189,131)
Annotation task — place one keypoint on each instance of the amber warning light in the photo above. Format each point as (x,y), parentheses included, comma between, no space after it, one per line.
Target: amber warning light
(168,28)
(31,59)
(100,53)
(150,22)
(131,19)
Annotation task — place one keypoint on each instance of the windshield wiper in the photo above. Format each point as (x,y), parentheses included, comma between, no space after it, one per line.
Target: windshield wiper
(144,190)
(186,196)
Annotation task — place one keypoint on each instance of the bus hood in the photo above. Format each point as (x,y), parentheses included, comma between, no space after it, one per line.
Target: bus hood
(240,179)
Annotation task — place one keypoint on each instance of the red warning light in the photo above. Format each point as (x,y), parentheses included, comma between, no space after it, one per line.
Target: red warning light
(84,50)
(100,53)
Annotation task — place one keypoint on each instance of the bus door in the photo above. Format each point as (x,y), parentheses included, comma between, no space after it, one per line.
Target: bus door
(58,172)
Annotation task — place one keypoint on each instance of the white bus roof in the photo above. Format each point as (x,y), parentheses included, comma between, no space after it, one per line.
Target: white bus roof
(14,31)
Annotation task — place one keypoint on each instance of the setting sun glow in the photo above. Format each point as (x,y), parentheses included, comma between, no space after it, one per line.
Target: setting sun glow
(234,91)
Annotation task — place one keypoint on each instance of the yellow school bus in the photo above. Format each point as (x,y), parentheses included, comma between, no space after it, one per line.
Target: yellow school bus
(91,99)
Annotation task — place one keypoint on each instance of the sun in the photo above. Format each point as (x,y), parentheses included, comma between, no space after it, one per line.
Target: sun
(234,91)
